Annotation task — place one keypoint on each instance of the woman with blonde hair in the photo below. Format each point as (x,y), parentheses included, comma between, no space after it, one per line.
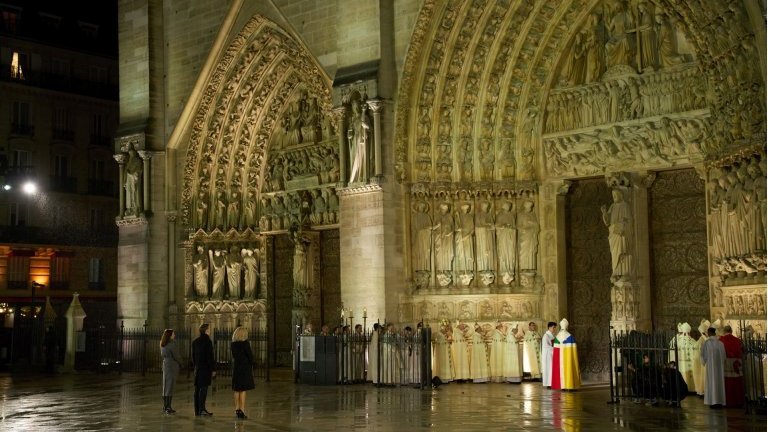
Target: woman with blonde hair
(242,369)
(171,366)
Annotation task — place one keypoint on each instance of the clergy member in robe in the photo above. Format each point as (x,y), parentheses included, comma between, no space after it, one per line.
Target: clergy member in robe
(443,357)
(713,359)
(461,352)
(373,355)
(532,352)
(565,360)
(498,351)
(734,375)
(478,363)
(547,346)
(699,371)
(512,371)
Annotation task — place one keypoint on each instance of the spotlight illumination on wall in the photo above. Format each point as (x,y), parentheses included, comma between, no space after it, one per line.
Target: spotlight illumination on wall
(29,188)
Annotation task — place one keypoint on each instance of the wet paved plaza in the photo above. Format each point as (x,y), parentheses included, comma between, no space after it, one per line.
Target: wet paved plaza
(129,402)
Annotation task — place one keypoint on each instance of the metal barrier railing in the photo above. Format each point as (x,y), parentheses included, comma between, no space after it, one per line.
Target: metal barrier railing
(385,358)
(644,367)
(754,369)
(138,350)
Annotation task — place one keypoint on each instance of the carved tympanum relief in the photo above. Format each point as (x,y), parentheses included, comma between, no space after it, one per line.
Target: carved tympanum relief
(550,69)
(475,238)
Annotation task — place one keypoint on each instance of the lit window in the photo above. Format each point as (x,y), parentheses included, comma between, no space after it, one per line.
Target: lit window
(18,65)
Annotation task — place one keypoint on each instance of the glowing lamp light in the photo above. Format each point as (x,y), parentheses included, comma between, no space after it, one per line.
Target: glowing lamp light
(29,188)
(7,187)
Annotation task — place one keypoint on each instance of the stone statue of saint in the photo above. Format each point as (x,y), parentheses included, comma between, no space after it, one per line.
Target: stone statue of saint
(234,272)
(221,209)
(528,231)
(465,239)
(618,219)
(443,239)
(249,211)
(202,211)
(233,211)
(485,237)
(647,36)
(357,134)
(200,267)
(506,237)
(133,172)
(300,269)
(219,270)
(618,48)
(251,268)
(421,231)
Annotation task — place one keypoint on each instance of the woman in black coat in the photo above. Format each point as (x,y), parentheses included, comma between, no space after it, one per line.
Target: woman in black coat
(242,369)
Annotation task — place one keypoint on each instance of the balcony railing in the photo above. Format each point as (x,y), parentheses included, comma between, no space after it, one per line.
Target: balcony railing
(63,184)
(63,135)
(100,141)
(101,187)
(22,129)
(68,235)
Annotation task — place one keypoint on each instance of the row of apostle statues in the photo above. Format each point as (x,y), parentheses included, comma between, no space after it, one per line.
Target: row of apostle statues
(220,273)
(312,207)
(737,217)
(634,35)
(460,240)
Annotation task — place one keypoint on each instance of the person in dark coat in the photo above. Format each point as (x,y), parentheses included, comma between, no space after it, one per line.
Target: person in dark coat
(675,387)
(204,363)
(242,369)
(51,350)
(171,366)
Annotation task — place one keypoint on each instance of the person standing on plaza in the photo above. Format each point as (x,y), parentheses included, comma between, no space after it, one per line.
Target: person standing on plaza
(532,352)
(565,363)
(242,369)
(171,367)
(713,359)
(547,347)
(734,376)
(203,362)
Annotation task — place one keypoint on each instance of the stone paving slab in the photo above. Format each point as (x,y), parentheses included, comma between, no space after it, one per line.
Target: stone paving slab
(130,402)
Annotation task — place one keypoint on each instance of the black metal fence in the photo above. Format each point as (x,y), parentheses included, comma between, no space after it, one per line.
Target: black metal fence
(641,369)
(754,368)
(138,349)
(387,358)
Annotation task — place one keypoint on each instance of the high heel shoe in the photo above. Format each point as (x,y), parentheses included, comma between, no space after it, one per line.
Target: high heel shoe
(240,414)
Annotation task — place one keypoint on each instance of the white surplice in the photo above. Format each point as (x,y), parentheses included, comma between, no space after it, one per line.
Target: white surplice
(547,350)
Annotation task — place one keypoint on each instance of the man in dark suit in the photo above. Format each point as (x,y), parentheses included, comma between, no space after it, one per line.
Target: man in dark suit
(202,360)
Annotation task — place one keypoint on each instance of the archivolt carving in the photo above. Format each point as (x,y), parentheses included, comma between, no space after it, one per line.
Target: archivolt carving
(243,110)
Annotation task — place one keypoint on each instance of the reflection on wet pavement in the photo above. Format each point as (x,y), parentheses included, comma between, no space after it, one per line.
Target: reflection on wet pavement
(110,402)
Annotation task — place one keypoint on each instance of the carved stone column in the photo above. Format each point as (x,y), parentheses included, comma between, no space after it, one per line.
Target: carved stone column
(120,158)
(376,106)
(627,222)
(341,120)
(553,247)
(189,273)
(145,157)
